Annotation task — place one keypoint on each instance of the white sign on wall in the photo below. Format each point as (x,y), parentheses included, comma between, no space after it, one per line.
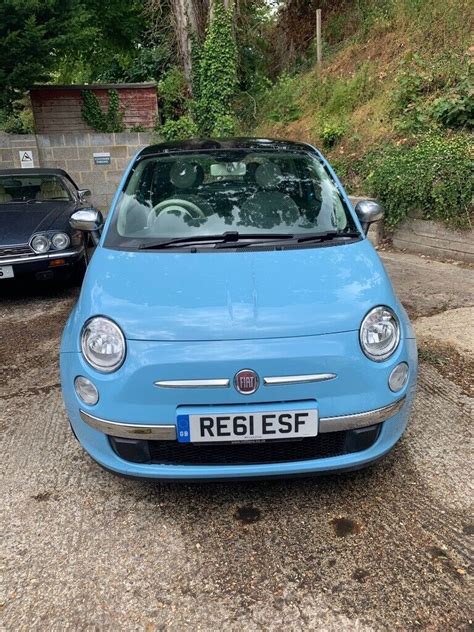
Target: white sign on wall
(26,158)
(102,158)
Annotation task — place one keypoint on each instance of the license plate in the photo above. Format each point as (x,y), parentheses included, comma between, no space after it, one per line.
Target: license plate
(257,426)
(6,272)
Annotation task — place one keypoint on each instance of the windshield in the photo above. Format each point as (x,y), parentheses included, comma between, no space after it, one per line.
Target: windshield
(191,195)
(26,188)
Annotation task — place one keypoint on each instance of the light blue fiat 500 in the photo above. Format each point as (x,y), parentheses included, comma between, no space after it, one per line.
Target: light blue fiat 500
(235,321)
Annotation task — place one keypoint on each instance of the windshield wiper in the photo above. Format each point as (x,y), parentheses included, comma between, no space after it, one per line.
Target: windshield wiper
(296,238)
(229,237)
(328,236)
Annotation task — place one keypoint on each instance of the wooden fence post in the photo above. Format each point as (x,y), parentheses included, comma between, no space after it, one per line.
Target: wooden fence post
(318,37)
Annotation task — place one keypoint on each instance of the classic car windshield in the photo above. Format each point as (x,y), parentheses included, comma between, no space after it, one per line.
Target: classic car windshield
(24,188)
(186,195)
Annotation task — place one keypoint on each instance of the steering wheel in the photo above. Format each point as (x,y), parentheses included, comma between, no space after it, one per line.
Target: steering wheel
(184,207)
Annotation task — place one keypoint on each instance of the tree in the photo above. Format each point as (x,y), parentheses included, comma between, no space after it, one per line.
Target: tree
(34,36)
(68,41)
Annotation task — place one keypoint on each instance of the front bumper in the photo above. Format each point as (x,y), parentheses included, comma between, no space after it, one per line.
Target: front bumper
(167,432)
(44,266)
(134,408)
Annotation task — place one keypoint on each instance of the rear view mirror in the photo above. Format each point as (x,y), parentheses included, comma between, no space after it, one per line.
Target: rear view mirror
(87,219)
(368,212)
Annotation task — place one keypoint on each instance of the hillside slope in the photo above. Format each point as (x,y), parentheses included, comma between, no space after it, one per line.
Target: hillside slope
(400,81)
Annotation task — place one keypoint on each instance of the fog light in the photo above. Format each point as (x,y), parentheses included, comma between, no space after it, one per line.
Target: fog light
(398,377)
(86,390)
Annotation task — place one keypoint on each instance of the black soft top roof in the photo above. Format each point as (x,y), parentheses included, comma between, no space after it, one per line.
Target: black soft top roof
(223,144)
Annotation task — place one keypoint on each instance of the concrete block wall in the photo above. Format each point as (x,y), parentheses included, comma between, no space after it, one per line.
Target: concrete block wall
(11,145)
(74,154)
(433,238)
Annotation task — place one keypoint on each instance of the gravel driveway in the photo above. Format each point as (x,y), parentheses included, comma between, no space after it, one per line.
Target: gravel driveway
(386,548)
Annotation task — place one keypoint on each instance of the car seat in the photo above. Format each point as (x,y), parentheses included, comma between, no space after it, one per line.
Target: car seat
(269,207)
(4,196)
(185,178)
(50,189)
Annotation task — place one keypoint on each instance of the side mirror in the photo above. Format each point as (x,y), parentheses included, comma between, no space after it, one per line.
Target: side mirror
(368,212)
(88,220)
(83,193)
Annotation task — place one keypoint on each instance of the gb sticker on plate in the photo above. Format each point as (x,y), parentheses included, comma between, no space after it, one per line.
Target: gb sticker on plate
(184,436)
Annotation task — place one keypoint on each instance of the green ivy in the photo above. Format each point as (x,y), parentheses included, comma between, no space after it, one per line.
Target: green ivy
(95,117)
(433,177)
(215,80)
(180,129)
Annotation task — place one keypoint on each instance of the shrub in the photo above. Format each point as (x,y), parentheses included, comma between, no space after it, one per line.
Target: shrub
(224,126)
(180,129)
(173,93)
(456,108)
(282,102)
(433,176)
(331,133)
(433,94)
(18,120)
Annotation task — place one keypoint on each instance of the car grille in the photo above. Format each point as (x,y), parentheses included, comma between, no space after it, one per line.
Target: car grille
(329,444)
(325,445)
(15,251)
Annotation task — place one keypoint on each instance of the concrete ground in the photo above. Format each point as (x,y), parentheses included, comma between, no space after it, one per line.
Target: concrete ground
(382,549)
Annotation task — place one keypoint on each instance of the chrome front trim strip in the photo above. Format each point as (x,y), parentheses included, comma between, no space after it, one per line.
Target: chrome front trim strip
(130,431)
(298,379)
(168,432)
(218,383)
(32,258)
(360,420)
(278,380)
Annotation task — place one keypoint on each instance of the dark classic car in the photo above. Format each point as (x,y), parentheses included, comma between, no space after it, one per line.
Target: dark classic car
(36,238)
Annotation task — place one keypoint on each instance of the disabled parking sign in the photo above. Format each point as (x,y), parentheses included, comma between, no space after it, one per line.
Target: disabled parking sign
(26,159)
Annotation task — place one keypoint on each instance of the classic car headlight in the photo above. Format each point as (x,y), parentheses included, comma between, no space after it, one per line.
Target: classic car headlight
(60,241)
(379,333)
(40,244)
(103,344)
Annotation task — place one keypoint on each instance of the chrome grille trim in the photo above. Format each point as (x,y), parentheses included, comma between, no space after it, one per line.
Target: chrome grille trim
(279,380)
(17,250)
(213,383)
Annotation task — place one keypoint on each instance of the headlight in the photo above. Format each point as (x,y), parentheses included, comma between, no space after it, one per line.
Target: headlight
(40,244)
(379,334)
(60,241)
(103,344)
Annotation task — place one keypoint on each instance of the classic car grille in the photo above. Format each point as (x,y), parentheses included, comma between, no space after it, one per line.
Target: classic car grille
(15,251)
(325,445)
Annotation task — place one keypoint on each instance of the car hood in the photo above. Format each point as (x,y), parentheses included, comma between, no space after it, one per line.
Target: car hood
(235,295)
(18,221)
